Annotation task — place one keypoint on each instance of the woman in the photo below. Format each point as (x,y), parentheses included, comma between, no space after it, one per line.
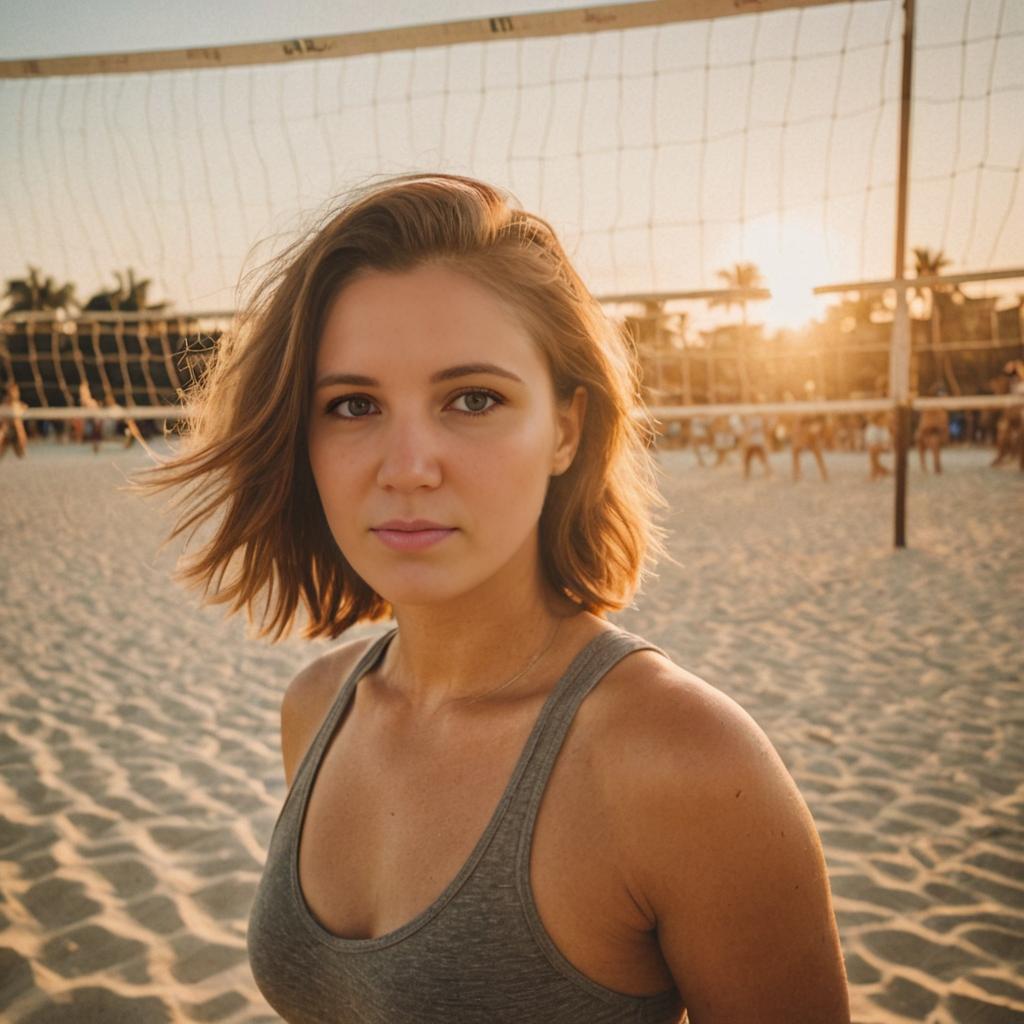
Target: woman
(504,808)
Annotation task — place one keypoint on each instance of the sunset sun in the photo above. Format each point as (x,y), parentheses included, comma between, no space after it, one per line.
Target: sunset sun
(792,262)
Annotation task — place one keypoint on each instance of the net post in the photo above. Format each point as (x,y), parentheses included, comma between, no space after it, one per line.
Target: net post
(899,359)
(899,391)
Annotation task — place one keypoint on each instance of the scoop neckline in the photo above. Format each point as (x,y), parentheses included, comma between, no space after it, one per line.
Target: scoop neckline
(425,916)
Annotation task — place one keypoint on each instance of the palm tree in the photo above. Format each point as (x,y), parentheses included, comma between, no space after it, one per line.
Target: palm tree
(930,264)
(128,297)
(739,276)
(35,293)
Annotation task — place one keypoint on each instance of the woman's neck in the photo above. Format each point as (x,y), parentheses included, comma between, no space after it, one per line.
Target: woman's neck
(460,652)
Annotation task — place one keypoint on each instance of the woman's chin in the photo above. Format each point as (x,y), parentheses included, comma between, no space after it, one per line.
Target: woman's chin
(407,594)
(419,600)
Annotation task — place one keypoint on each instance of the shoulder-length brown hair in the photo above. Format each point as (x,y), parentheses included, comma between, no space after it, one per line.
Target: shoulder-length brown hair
(244,464)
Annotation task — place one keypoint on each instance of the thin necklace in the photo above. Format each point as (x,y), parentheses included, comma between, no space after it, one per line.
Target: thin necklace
(508,682)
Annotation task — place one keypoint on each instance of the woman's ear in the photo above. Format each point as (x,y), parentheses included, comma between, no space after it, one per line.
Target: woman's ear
(569,417)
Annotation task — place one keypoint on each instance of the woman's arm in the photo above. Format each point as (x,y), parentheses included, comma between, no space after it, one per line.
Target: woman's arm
(722,847)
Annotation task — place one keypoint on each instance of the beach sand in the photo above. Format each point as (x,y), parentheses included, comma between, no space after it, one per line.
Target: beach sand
(140,774)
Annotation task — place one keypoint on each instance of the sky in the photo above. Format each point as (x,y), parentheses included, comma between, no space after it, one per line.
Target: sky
(660,155)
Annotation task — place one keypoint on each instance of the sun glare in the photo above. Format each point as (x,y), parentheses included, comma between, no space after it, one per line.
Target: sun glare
(793,303)
(792,261)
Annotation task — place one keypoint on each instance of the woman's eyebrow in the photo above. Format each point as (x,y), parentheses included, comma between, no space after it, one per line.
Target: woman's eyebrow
(346,378)
(469,369)
(463,370)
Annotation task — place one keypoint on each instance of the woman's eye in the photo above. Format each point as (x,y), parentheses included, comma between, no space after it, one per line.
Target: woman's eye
(476,403)
(352,408)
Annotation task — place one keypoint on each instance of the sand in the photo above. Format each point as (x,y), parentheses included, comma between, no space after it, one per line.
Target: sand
(140,772)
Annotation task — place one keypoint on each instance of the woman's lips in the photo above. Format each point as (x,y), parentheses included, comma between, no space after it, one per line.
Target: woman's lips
(412,540)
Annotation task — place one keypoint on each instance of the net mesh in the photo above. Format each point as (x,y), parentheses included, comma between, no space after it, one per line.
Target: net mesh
(661,154)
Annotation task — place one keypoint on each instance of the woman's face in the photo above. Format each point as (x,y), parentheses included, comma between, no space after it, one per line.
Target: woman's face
(434,431)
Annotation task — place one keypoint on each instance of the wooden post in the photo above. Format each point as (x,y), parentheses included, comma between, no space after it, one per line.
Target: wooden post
(899,358)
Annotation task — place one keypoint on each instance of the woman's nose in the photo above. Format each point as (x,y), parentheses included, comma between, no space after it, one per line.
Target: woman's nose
(410,458)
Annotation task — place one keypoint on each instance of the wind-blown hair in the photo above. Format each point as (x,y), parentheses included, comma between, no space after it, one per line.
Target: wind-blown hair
(243,466)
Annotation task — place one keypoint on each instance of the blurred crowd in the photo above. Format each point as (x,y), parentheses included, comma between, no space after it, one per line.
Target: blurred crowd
(715,440)
(16,431)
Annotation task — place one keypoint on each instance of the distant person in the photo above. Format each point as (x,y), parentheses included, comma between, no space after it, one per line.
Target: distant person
(852,433)
(1008,435)
(958,426)
(1009,428)
(12,425)
(75,433)
(88,427)
(723,438)
(127,428)
(877,441)
(670,435)
(808,433)
(932,433)
(755,443)
(699,437)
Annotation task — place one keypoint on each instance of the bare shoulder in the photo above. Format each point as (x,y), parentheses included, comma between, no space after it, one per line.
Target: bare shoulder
(719,848)
(309,696)
(663,729)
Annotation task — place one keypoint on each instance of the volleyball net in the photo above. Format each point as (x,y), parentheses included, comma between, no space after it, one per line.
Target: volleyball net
(672,145)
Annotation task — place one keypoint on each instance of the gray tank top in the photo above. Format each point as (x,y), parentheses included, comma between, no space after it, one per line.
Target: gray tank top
(479,953)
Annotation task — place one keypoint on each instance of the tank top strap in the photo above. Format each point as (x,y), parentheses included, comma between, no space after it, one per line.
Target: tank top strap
(602,653)
(315,751)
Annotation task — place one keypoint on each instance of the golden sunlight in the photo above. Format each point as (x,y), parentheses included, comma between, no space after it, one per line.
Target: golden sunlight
(792,261)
